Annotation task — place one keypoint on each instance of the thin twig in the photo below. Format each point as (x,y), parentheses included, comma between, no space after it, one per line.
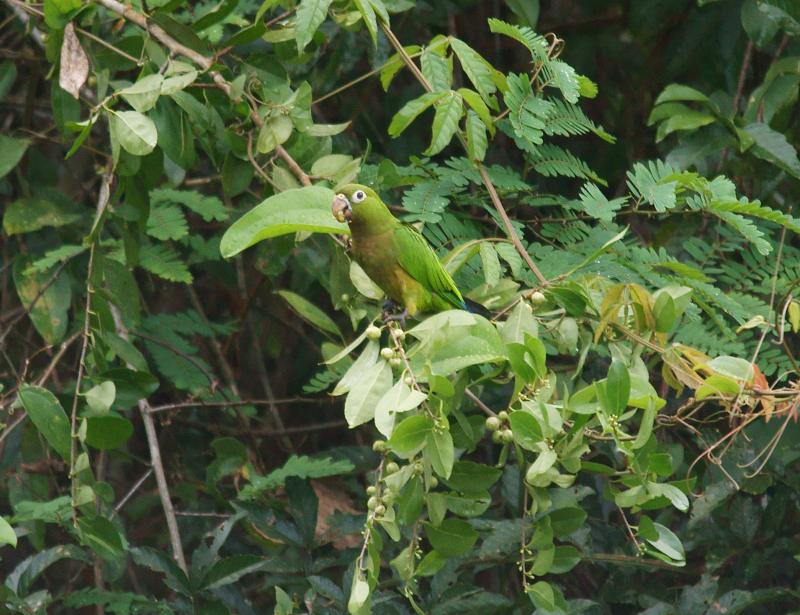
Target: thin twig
(476,400)
(243,402)
(120,505)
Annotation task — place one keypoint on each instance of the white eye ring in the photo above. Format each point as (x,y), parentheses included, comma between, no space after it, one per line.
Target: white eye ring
(358,196)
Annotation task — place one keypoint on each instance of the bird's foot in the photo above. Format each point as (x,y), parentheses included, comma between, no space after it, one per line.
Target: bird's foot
(390,313)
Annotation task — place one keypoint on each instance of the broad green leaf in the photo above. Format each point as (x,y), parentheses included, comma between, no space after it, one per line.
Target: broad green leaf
(310,312)
(663,540)
(143,94)
(400,398)
(373,383)
(475,67)
(101,396)
(410,435)
(411,110)
(440,451)
(367,358)
(453,537)
(135,132)
(733,367)
(564,521)
(48,416)
(544,461)
(542,596)
(230,569)
(102,537)
(11,152)
(565,558)
(772,146)
(26,572)
(519,322)
(49,312)
(526,429)
(359,601)
(7,534)
(370,20)
(310,15)
(445,122)
(436,69)
(326,130)
(34,213)
(107,432)
(469,476)
(475,131)
(301,209)
(617,388)
(473,99)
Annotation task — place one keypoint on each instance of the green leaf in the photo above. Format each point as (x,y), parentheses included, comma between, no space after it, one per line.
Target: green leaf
(310,312)
(542,596)
(166,222)
(11,152)
(452,538)
(663,540)
(53,257)
(108,432)
(526,430)
(469,476)
(772,146)
(445,122)
(31,214)
(410,435)
(439,450)
(299,467)
(565,521)
(373,383)
(411,111)
(367,358)
(301,209)
(519,322)
(230,569)
(733,367)
(208,207)
(617,389)
(370,20)
(565,559)
(8,74)
(596,204)
(102,537)
(544,461)
(143,94)
(162,260)
(436,69)
(135,132)
(476,68)
(7,534)
(49,312)
(476,137)
(400,398)
(48,416)
(101,396)
(26,572)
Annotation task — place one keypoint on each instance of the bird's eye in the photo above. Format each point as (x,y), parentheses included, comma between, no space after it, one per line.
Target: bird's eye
(358,196)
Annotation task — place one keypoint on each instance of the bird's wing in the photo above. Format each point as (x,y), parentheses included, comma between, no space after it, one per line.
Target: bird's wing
(417,258)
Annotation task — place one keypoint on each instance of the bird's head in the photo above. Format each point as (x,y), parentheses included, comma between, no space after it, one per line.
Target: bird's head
(354,202)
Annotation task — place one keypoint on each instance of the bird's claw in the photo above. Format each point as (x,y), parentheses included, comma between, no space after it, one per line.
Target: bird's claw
(401,318)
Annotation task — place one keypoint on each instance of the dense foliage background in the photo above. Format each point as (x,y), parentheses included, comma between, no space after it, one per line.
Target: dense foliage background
(182,432)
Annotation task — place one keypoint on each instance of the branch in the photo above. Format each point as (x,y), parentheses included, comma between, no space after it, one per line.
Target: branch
(487,182)
(205,63)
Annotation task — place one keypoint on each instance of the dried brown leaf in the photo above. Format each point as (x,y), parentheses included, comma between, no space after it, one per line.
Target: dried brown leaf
(74,68)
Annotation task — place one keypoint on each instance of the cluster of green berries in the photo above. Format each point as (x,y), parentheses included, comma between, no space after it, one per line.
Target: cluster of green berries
(501,431)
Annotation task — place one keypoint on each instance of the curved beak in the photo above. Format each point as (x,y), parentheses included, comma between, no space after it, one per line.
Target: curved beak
(341,208)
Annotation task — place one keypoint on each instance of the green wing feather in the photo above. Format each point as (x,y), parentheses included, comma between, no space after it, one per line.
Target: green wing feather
(417,258)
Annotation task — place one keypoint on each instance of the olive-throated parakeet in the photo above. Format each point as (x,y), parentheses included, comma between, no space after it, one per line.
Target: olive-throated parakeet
(396,256)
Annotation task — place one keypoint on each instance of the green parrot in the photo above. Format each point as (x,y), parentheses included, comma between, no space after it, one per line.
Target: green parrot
(396,256)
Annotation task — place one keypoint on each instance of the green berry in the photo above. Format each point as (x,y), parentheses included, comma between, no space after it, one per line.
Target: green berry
(391,468)
(372,490)
(537,297)
(497,437)
(372,502)
(408,379)
(395,361)
(398,334)
(380,510)
(379,446)
(506,436)
(373,332)
(492,423)
(502,415)
(418,468)
(345,298)
(387,353)
(434,482)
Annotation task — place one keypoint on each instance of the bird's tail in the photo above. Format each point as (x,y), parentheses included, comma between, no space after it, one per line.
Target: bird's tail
(476,308)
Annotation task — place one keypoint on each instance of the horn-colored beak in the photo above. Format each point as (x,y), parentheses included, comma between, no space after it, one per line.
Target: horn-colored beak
(341,208)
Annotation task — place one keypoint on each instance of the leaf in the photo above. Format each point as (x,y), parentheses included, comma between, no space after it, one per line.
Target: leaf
(11,152)
(301,209)
(373,383)
(544,461)
(663,540)
(410,435)
(48,416)
(164,261)
(445,122)
(300,467)
(772,146)
(526,430)
(542,596)
(135,132)
(368,15)
(31,214)
(439,450)
(26,572)
(166,222)
(436,69)
(208,207)
(476,68)
(101,396)
(310,312)
(74,64)
(452,538)
(617,389)
(102,537)
(230,569)
(528,112)
(8,74)
(367,358)
(7,534)
(108,432)
(733,367)
(400,398)
(597,205)
(143,94)
(49,313)
(469,476)
(53,257)
(565,521)
(411,111)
